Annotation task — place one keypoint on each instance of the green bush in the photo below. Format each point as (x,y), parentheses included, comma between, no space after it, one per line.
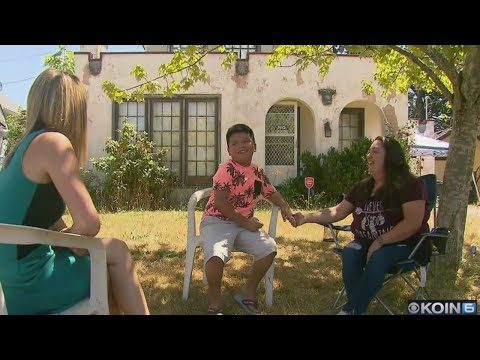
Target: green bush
(335,173)
(16,128)
(133,174)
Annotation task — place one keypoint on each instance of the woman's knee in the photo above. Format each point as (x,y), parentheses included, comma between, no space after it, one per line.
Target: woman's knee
(116,247)
(353,250)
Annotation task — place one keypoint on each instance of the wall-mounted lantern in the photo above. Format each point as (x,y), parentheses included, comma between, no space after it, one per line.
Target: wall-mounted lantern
(327,95)
(327,129)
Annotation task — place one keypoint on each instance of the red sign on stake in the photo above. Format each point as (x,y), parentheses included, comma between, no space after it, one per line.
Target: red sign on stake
(309,181)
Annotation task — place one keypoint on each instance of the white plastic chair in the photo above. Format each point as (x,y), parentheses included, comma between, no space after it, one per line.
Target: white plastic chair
(97,304)
(193,241)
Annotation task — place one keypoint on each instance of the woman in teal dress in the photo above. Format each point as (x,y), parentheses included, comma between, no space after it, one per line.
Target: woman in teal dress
(39,178)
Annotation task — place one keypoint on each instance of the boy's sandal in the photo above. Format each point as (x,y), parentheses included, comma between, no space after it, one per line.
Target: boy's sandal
(249,305)
(213,311)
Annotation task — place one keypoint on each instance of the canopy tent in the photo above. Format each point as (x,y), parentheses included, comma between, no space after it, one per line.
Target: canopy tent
(425,146)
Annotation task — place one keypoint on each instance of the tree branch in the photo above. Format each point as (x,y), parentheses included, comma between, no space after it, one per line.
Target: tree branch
(178,70)
(447,67)
(441,86)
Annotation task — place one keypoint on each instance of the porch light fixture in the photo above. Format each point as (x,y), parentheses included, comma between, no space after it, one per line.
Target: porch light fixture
(327,129)
(327,95)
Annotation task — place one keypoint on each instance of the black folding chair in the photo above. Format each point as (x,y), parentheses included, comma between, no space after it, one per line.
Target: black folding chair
(417,262)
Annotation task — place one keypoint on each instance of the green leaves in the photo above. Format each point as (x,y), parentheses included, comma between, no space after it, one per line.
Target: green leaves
(16,128)
(397,66)
(63,60)
(134,174)
(178,75)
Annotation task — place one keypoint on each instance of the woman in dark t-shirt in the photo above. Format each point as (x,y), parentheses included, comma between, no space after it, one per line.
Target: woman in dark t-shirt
(389,215)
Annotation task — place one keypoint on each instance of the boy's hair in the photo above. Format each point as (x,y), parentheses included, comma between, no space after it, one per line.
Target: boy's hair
(240,128)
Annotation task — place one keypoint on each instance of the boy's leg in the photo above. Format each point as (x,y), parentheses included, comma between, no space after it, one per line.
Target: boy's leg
(259,269)
(214,273)
(264,249)
(216,238)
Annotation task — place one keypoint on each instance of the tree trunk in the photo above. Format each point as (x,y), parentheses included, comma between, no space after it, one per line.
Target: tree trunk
(458,171)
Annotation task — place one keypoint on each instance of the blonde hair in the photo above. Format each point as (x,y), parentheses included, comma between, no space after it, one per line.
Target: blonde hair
(58,101)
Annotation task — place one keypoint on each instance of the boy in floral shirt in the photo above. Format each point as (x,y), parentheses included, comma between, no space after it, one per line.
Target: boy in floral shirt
(228,222)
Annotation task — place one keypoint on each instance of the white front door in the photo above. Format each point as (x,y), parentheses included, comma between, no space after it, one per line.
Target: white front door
(281,142)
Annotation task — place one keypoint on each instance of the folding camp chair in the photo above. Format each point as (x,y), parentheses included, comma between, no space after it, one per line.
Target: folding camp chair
(414,263)
(193,241)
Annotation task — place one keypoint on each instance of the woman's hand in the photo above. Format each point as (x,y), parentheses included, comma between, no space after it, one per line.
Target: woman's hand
(377,244)
(300,219)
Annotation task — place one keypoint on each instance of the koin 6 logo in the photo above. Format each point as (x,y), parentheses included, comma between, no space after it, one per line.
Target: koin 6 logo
(442,307)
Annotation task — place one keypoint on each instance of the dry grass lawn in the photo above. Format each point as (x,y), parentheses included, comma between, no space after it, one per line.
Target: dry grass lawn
(307,272)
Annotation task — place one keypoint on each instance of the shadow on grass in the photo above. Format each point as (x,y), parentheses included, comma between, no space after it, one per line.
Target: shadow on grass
(307,280)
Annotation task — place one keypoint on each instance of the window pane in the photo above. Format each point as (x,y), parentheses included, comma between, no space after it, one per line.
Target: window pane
(167,158)
(157,108)
(167,123)
(192,138)
(192,168)
(192,153)
(201,139)
(192,123)
(201,108)
(157,138)
(157,123)
(175,123)
(345,133)
(192,109)
(354,133)
(167,139)
(141,123)
(210,168)
(211,153)
(201,124)
(210,138)
(210,123)
(211,108)
(176,109)
(122,109)
(201,153)
(176,138)
(120,122)
(176,153)
(176,167)
(201,169)
(141,109)
(132,109)
(167,108)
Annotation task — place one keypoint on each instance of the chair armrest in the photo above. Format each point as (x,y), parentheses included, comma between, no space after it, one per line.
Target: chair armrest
(341,227)
(24,235)
(272,228)
(333,231)
(192,203)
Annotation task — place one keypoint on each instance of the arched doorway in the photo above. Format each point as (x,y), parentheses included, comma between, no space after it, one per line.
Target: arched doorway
(289,131)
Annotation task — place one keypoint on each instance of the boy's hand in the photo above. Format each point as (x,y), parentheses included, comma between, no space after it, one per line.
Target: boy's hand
(287,215)
(252,224)
(300,219)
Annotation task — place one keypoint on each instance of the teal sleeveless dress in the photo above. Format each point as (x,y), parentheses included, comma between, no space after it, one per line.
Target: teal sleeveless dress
(36,279)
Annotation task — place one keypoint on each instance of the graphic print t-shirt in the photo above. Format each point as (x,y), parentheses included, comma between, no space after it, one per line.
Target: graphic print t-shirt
(371,219)
(244,186)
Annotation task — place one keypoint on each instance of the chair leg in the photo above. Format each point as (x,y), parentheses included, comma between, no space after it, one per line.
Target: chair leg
(269,285)
(384,305)
(335,305)
(189,259)
(204,274)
